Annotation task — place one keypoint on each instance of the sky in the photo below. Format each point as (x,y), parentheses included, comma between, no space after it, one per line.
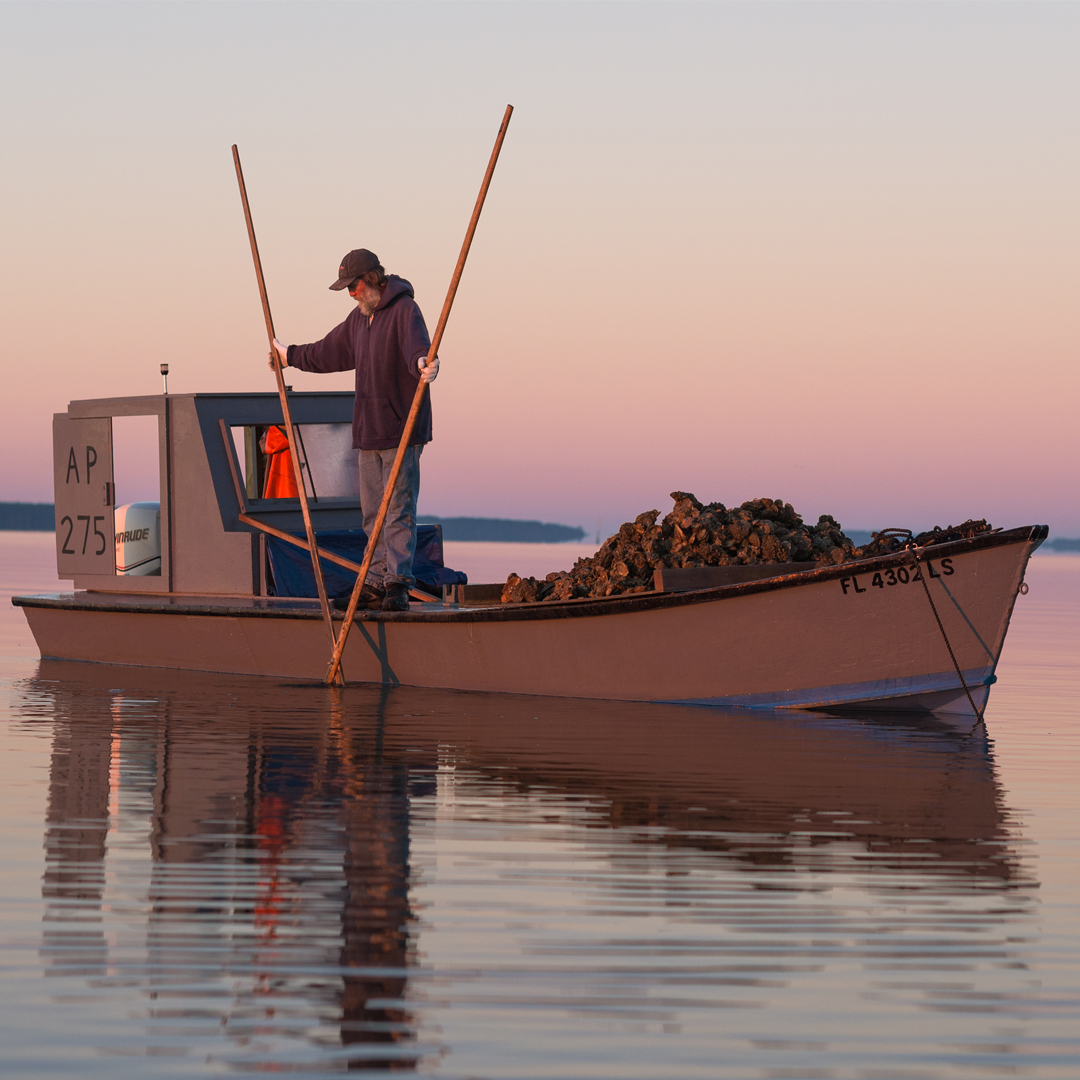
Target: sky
(828,253)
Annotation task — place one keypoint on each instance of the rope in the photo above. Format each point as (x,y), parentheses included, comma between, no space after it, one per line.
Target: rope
(952,656)
(908,536)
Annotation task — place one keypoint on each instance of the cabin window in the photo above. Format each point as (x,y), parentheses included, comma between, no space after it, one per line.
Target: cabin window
(327,461)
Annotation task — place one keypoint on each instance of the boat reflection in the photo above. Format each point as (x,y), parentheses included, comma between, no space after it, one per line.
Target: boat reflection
(279,855)
(264,830)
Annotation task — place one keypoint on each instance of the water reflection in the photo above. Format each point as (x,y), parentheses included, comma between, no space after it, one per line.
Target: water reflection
(764,790)
(280,852)
(239,853)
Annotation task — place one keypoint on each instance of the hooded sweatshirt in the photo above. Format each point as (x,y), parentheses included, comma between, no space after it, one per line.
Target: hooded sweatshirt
(383,353)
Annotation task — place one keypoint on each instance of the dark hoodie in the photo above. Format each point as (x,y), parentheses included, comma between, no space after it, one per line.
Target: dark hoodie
(384,355)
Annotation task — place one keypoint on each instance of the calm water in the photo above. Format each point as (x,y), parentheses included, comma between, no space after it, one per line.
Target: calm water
(205,875)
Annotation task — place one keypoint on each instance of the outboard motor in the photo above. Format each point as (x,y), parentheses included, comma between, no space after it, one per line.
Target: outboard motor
(138,539)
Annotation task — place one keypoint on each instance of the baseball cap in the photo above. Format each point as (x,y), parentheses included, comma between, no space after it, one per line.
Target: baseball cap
(354,265)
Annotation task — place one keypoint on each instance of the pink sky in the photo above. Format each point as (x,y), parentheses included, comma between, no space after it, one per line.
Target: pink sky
(824,253)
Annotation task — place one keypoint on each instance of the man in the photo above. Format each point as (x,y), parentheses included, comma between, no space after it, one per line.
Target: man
(385,341)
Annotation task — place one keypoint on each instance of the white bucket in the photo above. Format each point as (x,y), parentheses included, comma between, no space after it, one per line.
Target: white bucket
(138,539)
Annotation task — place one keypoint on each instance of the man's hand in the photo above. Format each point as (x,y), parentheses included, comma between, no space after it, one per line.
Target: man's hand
(283,354)
(428,371)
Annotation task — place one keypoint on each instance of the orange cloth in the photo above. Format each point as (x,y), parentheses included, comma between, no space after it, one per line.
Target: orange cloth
(280,481)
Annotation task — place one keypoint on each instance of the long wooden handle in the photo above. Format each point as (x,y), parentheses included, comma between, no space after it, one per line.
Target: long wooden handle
(286,412)
(418,398)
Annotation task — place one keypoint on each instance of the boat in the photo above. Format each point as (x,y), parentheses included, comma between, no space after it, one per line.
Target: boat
(921,629)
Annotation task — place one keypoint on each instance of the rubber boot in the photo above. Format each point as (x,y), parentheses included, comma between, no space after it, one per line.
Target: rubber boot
(371,598)
(397,597)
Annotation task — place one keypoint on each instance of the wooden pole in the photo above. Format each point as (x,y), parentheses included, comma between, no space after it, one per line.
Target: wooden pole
(286,412)
(418,398)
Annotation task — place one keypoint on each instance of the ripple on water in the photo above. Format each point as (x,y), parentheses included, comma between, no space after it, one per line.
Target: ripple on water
(250,876)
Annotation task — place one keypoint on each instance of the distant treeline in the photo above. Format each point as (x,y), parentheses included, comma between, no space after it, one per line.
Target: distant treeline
(504,530)
(38,517)
(27,517)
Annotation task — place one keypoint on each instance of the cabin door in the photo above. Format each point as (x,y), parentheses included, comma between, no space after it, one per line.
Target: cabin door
(83,487)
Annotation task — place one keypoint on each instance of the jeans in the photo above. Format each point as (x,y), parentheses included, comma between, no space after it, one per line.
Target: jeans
(392,561)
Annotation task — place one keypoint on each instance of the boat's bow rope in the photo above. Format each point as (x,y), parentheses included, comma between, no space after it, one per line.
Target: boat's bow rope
(910,545)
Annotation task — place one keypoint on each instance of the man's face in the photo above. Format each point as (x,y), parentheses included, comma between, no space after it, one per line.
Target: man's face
(367,296)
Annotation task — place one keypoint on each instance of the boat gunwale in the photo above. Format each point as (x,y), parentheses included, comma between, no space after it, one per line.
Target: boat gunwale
(583,607)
